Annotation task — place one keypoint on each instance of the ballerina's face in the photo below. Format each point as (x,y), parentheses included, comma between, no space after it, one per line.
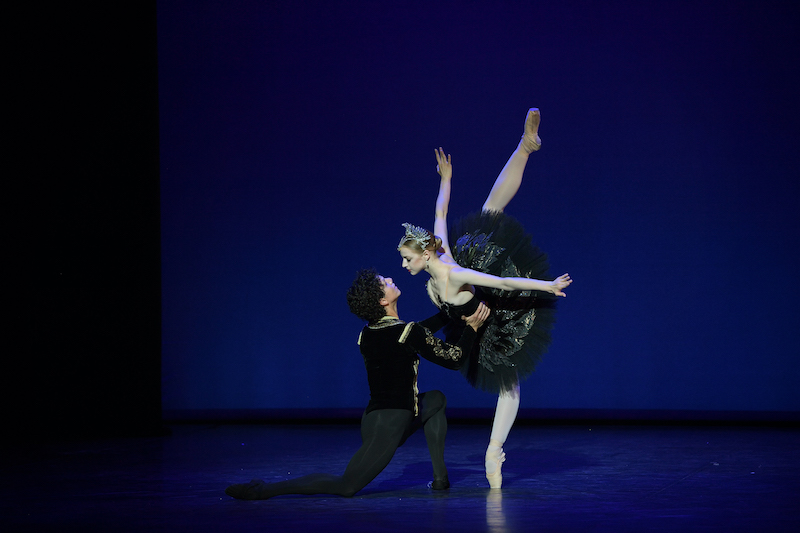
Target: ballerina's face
(413,261)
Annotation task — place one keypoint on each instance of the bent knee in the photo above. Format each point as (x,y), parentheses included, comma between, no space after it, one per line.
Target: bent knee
(436,397)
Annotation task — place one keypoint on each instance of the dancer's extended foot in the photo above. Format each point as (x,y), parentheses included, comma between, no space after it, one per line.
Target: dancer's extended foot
(530,139)
(495,456)
(247,491)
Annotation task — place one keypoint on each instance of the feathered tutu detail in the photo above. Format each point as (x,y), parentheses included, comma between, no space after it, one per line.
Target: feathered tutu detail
(518,333)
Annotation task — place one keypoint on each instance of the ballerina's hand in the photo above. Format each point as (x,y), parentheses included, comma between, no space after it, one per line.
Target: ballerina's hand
(443,165)
(561,282)
(476,319)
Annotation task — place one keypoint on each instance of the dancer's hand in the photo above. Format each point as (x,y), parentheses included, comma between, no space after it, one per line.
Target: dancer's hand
(443,165)
(561,282)
(476,319)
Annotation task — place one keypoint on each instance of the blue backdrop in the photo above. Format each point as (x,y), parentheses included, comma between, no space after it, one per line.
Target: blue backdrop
(297,136)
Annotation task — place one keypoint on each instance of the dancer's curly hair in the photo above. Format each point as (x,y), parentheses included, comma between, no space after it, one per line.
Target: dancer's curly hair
(364,296)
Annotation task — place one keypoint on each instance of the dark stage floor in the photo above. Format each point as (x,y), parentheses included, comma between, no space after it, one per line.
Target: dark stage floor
(557,478)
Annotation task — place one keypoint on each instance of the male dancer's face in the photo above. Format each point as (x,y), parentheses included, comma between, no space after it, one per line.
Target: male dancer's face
(390,290)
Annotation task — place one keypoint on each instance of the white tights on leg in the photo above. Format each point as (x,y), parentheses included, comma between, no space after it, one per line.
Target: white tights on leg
(508,182)
(504,416)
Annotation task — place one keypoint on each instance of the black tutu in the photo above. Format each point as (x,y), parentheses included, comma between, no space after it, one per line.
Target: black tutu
(517,334)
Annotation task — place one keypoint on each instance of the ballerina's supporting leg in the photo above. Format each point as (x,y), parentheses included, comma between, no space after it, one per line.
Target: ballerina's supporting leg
(504,417)
(507,183)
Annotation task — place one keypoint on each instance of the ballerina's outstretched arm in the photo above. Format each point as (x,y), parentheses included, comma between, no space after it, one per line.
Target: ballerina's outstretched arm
(464,276)
(445,169)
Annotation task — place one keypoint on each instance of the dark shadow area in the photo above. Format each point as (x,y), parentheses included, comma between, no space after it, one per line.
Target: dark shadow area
(89,351)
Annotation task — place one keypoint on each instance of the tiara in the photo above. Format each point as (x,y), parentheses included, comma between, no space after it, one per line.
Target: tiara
(416,234)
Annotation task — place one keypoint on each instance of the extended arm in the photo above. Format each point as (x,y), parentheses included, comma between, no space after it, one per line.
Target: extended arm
(436,322)
(466,276)
(435,350)
(445,169)
(452,356)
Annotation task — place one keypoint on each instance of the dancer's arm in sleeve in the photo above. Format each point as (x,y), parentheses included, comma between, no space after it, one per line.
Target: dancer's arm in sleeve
(435,350)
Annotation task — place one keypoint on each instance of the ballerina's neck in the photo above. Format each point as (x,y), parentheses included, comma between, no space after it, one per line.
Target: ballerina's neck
(440,276)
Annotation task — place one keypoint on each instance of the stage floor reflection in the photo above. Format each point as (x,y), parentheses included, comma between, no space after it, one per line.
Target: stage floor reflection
(556,478)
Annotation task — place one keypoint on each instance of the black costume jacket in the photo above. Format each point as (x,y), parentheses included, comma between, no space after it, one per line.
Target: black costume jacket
(391,350)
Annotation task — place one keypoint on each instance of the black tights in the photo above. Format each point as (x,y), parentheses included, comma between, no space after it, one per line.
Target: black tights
(382,432)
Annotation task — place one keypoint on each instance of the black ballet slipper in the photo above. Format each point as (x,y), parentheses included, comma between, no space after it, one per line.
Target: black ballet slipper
(440,484)
(246,491)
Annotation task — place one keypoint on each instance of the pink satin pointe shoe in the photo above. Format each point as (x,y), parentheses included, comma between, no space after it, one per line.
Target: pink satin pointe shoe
(530,139)
(495,459)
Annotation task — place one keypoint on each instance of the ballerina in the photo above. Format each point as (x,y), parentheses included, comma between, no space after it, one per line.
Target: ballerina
(493,260)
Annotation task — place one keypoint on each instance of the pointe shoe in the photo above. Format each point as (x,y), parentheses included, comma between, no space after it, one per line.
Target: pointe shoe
(530,139)
(495,479)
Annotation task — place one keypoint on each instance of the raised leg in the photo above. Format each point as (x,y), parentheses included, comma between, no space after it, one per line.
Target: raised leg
(507,183)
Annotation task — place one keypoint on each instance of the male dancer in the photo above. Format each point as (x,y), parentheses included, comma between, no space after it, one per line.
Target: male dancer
(391,350)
